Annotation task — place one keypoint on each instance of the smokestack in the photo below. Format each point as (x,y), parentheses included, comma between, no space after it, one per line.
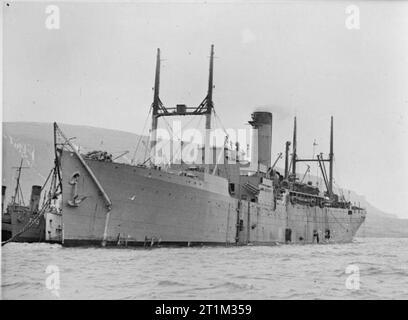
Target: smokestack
(254,150)
(3,195)
(35,198)
(262,139)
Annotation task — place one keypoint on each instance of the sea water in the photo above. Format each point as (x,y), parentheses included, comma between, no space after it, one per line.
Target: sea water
(367,268)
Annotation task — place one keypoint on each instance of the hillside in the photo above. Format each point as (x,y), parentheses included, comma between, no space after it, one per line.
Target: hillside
(34,143)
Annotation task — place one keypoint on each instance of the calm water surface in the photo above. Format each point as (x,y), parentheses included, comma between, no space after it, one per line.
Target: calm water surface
(278,272)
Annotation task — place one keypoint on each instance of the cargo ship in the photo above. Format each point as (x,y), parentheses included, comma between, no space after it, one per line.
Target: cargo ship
(17,215)
(32,222)
(227,202)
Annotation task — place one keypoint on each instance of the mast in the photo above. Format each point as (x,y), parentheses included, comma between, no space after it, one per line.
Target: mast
(156,104)
(324,173)
(287,159)
(294,150)
(159,110)
(156,98)
(331,155)
(210,90)
(17,189)
(209,106)
(319,158)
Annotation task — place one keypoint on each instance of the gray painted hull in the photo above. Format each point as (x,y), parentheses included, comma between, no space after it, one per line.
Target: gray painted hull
(20,217)
(152,207)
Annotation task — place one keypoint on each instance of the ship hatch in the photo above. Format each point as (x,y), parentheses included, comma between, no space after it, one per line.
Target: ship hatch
(288,235)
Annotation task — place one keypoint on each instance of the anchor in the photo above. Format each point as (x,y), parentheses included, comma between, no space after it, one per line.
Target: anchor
(76,199)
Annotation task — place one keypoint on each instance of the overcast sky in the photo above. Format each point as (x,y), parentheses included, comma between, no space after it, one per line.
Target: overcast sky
(289,58)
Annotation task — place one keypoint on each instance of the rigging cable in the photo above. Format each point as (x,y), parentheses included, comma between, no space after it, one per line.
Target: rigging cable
(222,126)
(165,144)
(180,146)
(141,136)
(46,180)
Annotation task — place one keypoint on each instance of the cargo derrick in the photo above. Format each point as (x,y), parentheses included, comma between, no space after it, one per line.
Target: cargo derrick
(204,108)
(306,193)
(288,183)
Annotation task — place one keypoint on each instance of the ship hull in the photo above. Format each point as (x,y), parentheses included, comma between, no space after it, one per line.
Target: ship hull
(5,231)
(20,216)
(152,207)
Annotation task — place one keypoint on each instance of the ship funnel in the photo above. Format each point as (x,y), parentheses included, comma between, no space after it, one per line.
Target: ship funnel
(35,198)
(261,140)
(3,195)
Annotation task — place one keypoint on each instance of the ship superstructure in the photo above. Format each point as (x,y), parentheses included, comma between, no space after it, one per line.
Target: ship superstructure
(223,202)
